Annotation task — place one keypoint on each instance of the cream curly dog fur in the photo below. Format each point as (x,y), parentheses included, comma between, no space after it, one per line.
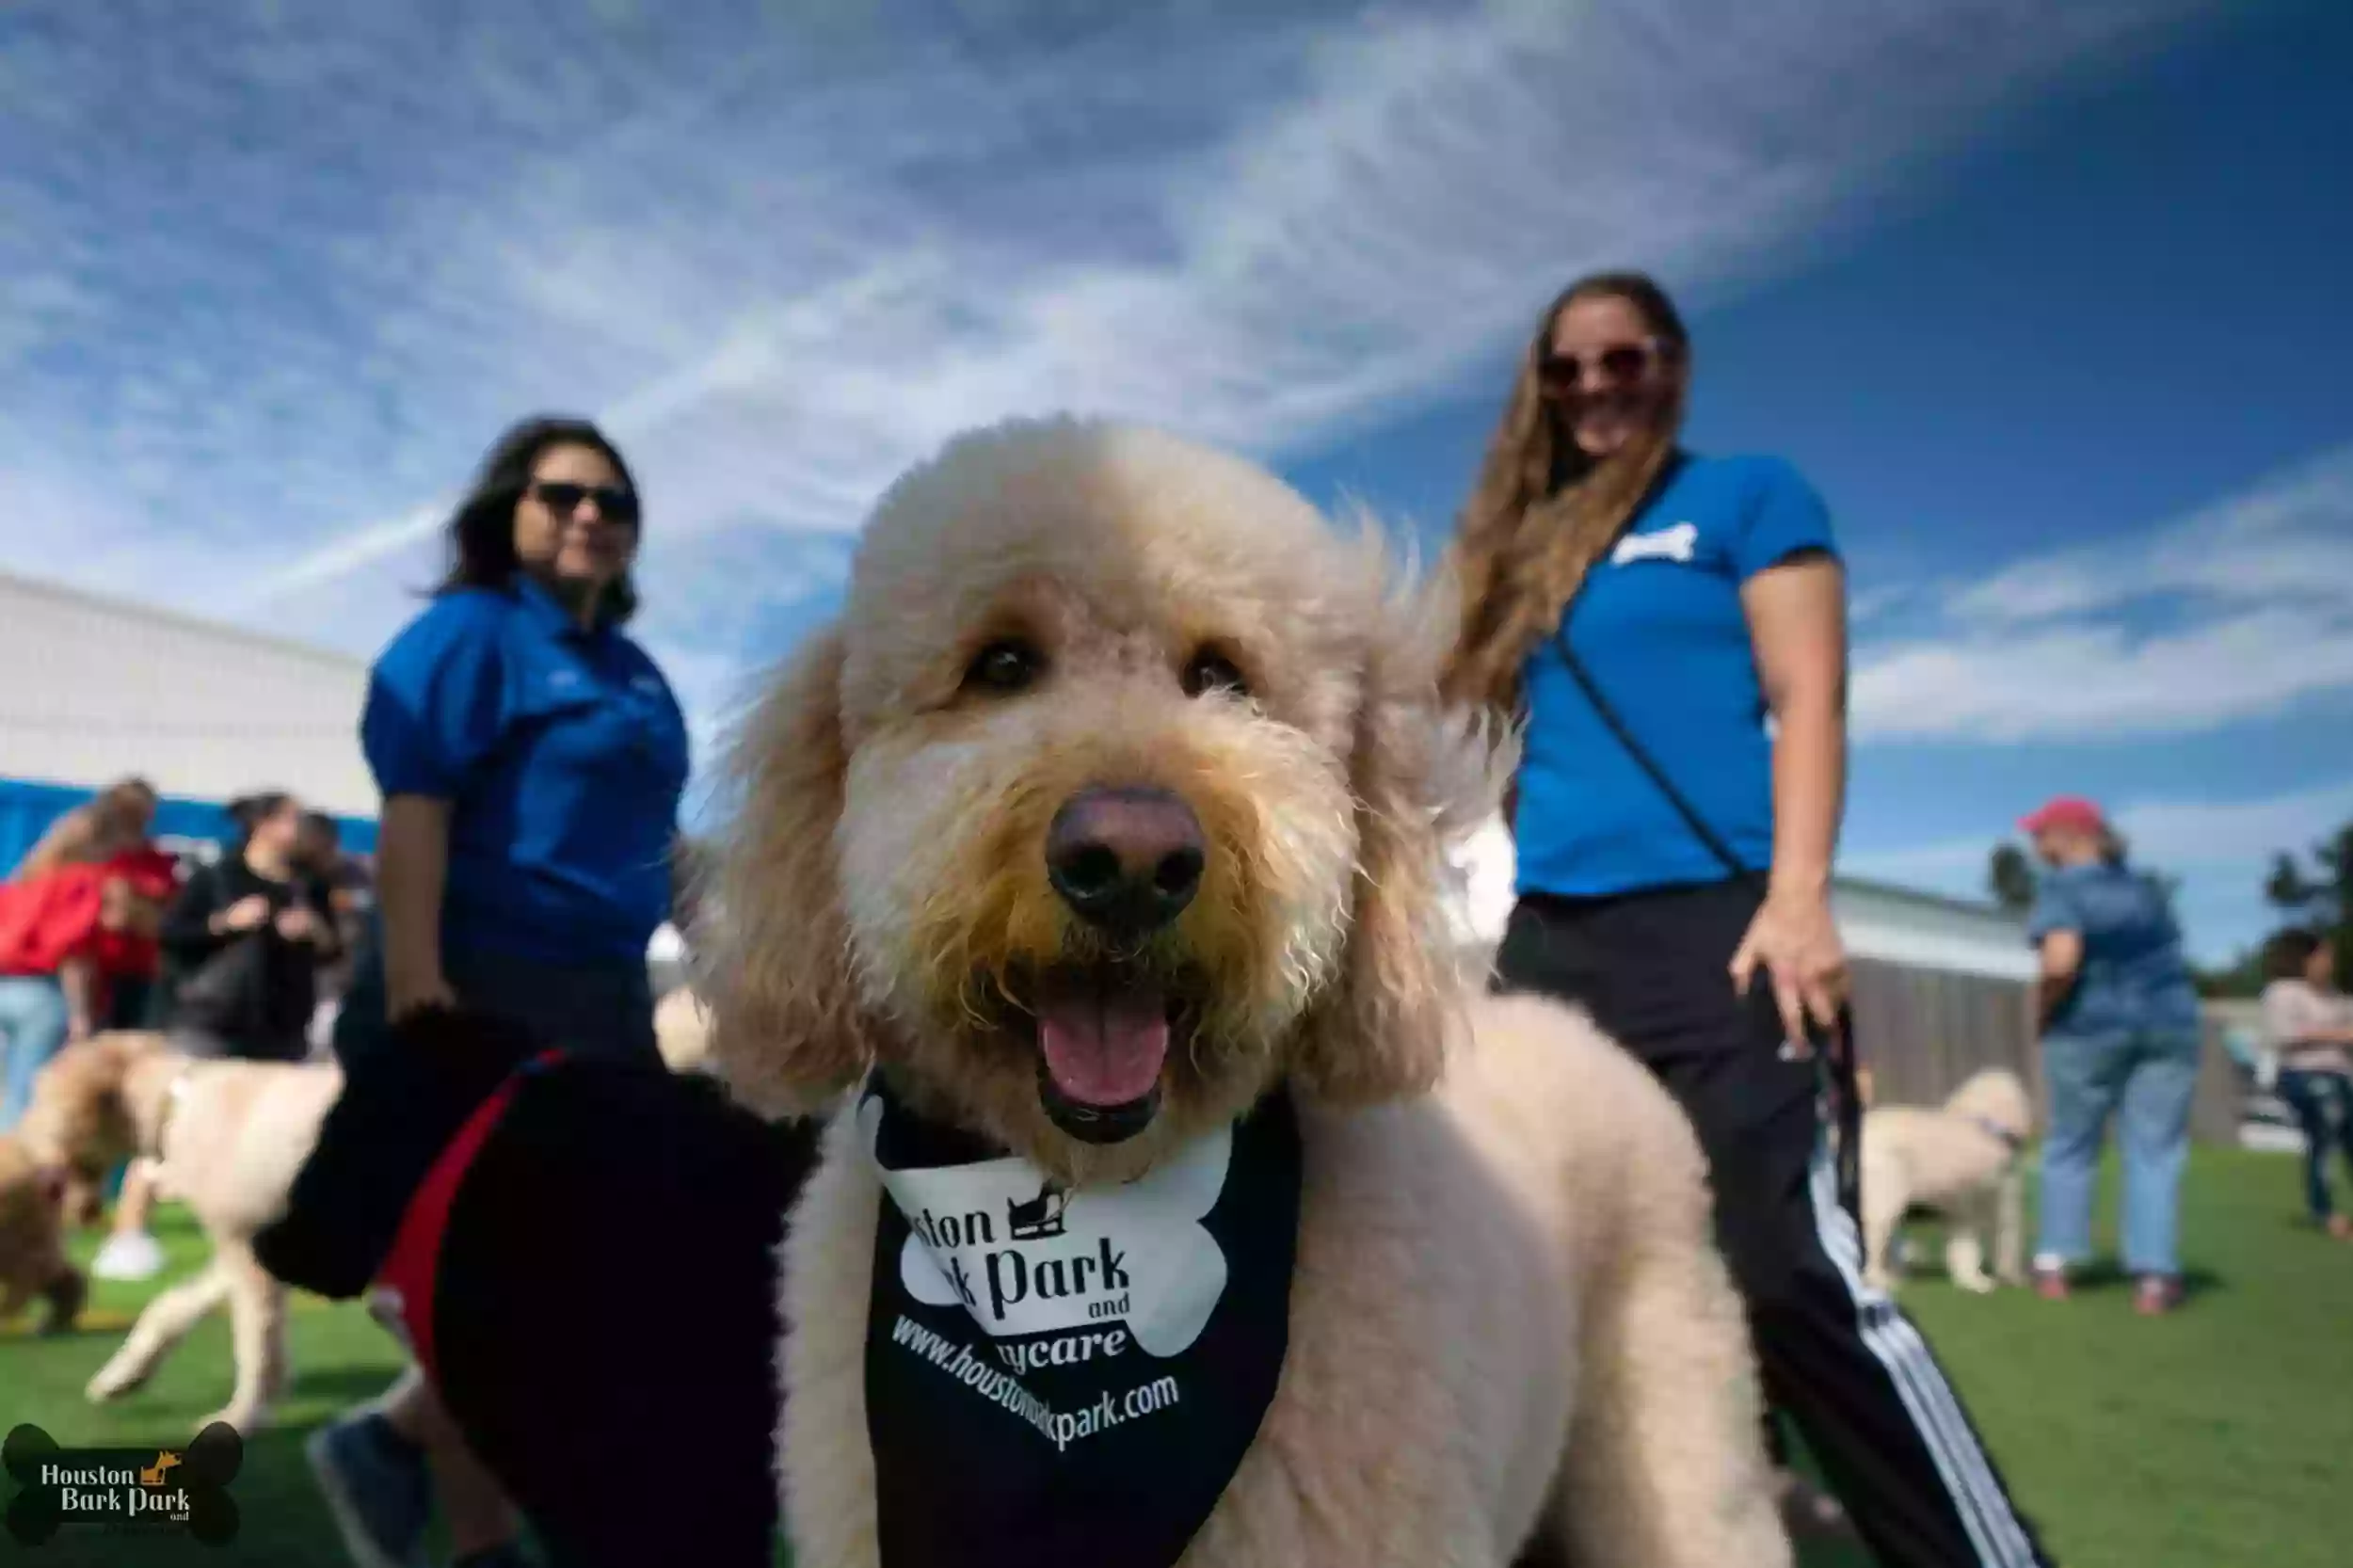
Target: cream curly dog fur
(1052,607)
(1961,1158)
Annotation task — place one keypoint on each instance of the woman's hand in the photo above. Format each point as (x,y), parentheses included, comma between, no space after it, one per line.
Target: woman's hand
(405,996)
(1795,941)
(298,924)
(244,915)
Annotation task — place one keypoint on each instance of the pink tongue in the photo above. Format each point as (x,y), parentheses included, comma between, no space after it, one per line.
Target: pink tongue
(1104,1051)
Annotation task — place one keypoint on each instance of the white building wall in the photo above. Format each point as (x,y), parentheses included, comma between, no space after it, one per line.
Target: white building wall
(92,689)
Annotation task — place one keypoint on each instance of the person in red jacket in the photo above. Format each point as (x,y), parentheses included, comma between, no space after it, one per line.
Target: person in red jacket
(51,974)
(140,884)
(49,985)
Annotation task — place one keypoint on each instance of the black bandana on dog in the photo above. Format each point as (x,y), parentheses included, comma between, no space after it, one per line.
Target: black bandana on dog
(1065,1379)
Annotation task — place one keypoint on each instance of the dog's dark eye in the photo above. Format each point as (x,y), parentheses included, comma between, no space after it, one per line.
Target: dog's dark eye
(1006,665)
(1211,671)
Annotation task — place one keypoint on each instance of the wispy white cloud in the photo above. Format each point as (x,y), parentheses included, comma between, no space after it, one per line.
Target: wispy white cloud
(2288,541)
(263,322)
(2235,612)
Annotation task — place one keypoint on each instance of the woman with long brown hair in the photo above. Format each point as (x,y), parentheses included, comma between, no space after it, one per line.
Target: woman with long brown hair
(1671,629)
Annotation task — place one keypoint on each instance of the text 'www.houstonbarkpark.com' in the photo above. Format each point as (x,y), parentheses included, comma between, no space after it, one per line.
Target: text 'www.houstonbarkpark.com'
(1061,1427)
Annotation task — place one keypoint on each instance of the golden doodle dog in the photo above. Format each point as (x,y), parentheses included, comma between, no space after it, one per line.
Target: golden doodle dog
(1961,1159)
(1101,844)
(33,1265)
(230,1136)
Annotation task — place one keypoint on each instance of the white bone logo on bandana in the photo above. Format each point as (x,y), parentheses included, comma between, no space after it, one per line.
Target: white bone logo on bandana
(1070,1378)
(1022,1258)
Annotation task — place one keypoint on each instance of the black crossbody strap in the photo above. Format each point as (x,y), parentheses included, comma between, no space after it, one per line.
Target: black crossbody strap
(1846,1104)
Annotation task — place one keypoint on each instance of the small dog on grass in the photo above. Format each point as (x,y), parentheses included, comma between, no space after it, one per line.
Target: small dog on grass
(230,1136)
(1961,1159)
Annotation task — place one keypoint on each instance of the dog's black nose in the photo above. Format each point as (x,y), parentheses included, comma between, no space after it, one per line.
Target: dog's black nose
(1125,859)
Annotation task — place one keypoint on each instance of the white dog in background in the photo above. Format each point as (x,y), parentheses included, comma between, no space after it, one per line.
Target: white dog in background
(1961,1159)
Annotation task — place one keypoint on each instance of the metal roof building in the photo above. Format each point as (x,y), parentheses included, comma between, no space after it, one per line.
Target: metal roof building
(93,689)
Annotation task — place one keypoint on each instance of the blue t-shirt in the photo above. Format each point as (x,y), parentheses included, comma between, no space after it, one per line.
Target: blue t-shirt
(1660,628)
(2134,979)
(563,756)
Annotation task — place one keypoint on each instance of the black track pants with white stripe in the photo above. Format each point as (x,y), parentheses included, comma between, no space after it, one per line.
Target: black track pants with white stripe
(1838,1358)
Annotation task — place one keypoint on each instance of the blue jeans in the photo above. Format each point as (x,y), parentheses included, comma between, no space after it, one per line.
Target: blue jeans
(2323,1103)
(33,1024)
(2145,1081)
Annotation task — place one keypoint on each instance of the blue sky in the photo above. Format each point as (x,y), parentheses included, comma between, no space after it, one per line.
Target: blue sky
(2049,301)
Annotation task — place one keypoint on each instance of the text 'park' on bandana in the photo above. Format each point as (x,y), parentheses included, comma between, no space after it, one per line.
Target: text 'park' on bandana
(1060,1378)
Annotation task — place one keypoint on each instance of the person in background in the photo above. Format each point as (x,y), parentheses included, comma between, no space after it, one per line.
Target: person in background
(2308,1026)
(246,938)
(141,882)
(2120,1030)
(243,943)
(1672,628)
(350,897)
(58,907)
(52,991)
(115,819)
(532,759)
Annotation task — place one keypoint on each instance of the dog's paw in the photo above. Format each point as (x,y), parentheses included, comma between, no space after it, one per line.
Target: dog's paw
(1976,1284)
(111,1382)
(1882,1280)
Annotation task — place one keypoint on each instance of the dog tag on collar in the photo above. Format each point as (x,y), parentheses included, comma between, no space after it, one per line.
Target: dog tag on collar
(1070,1378)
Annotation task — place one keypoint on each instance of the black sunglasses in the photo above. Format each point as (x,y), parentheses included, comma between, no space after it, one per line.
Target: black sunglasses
(1561,373)
(562,496)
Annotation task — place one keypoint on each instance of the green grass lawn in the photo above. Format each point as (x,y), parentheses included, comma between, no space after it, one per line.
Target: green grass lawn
(2221,1438)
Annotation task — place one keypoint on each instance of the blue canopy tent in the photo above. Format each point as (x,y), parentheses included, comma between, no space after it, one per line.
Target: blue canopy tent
(28,808)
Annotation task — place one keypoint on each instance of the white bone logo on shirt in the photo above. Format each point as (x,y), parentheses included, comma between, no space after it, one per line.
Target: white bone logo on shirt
(1022,1258)
(1667,544)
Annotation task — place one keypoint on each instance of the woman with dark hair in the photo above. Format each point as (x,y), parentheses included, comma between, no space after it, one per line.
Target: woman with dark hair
(1671,629)
(245,940)
(2308,1024)
(532,759)
(2121,1034)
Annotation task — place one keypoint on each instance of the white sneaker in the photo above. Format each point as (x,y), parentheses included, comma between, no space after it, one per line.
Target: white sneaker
(128,1255)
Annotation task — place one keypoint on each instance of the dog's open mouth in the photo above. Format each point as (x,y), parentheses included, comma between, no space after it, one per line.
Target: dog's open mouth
(1102,1032)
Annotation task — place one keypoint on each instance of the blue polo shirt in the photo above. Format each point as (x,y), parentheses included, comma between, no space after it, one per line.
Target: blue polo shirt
(2133,977)
(563,756)
(1660,628)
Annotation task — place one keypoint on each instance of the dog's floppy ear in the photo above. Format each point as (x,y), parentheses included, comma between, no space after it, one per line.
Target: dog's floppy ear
(786,1034)
(1423,774)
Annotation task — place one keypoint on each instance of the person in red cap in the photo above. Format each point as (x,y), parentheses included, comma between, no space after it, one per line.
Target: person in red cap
(2119,1026)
